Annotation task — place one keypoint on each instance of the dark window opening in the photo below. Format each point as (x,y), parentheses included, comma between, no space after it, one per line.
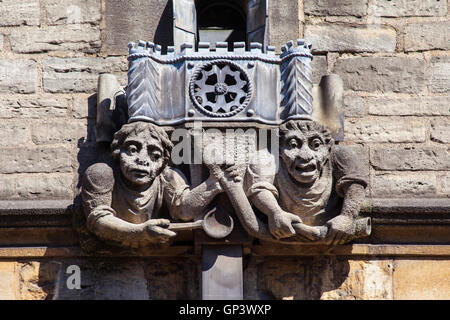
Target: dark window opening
(221,21)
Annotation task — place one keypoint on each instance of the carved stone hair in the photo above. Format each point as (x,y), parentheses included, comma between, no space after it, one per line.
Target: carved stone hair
(134,128)
(306,126)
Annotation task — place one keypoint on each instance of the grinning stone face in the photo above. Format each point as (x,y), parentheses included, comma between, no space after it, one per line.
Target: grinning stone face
(141,159)
(304,154)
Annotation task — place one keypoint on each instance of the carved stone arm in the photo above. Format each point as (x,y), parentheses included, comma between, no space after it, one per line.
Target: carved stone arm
(194,201)
(353,200)
(106,226)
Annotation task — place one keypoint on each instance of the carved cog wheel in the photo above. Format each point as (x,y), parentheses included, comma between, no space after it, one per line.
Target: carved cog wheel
(220,88)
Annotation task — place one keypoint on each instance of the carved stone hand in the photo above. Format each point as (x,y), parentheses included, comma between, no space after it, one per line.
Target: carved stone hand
(280,224)
(156,231)
(341,229)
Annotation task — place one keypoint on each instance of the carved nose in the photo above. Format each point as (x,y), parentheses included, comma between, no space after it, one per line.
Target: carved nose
(305,155)
(142,162)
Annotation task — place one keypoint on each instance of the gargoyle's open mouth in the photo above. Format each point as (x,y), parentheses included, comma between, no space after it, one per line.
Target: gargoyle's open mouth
(140,172)
(306,168)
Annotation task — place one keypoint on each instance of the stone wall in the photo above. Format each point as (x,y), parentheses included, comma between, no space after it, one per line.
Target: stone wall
(394,59)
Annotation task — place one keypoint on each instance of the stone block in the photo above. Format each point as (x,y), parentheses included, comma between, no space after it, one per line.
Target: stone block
(408,8)
(355,106)
(78,74)
(290,28)
(339,279)
(343,38)
(408,106)
(78,11)
(135,20)
(427,36)
(18,76)
(44,186)
(14,134)
(85,106)
(385,74)
(440,131)
(33,160)
(37,107)
(19,12)
(8,281)
(423,279)
(335,8)
(7,187)
(319,66)
(84,38)
(404,185)
(283,278)
(439,74)
(444,184)
(59,132)
(38,280)
(411,158)
(388,130)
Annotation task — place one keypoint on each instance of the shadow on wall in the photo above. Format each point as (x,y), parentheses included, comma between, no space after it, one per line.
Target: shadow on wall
(293,278)
(164,31)
(111,279)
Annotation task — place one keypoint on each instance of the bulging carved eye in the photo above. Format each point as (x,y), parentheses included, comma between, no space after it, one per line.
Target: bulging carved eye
(315,143)
(155,155)
(292,143)
(132,148)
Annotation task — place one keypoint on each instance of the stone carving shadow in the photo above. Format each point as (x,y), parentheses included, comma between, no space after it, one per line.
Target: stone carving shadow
(296,278)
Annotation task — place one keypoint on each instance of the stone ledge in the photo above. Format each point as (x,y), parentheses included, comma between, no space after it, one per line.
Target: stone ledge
(387,250)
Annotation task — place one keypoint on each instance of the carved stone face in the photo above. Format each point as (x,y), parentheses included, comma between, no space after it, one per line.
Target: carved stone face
(304,154)
(141,159)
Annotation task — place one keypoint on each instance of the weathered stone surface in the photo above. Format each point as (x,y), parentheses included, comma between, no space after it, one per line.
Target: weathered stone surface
(286,11)
(411,158)
(427,36)
(44,186)
(343,38)
(283,278)
(33,107)
(31,160)
(7,186)
(1,42)
(78,11)
(404,185)
(355,106)
(397,74)
(319,66)
(84,106)
(407,106)
(14,134)
(421,279)
(439,71)
(78,74)
(8,281)
(38,280)
(335,8)
(389,130)
(362,153)
(444,184)
(362,280)
(134,20)
(440,131)
(84,38)
(18,75)
(49,132)
(407,8)
(18,12)
(172,278)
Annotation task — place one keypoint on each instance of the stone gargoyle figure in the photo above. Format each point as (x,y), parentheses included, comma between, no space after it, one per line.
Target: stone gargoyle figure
(317,186)
(123,203)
